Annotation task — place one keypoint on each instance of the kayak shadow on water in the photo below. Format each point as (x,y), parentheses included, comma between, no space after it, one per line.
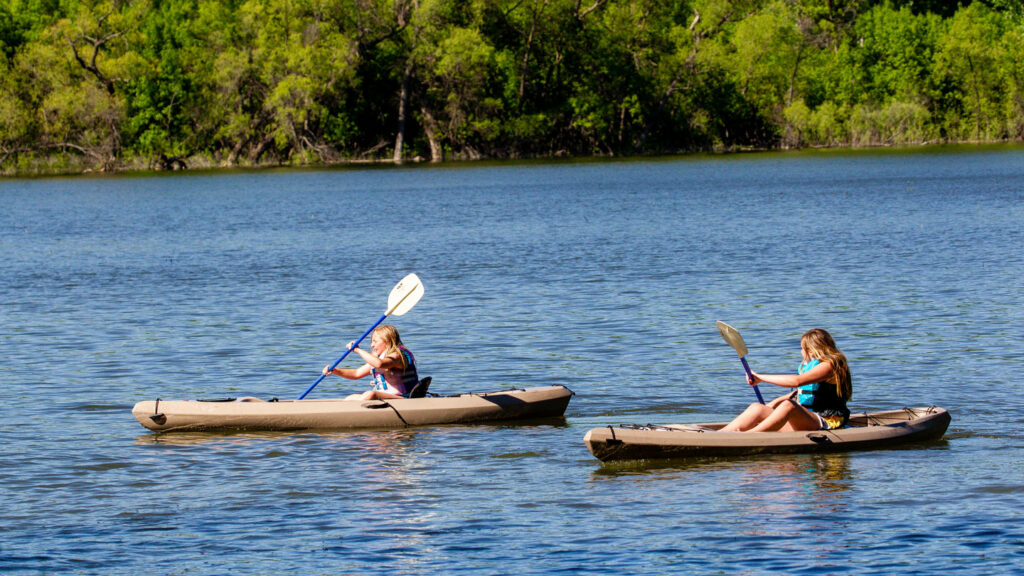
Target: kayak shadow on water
(826,465)
(832,466)
(239,437)
(784,487)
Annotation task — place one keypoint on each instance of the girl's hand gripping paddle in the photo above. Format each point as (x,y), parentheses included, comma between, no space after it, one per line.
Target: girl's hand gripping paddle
(403,297)
(733,338)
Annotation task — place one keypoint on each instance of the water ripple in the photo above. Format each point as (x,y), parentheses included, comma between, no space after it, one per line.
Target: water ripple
(606,277)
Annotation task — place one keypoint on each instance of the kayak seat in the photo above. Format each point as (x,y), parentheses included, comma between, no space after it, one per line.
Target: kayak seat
(420,389)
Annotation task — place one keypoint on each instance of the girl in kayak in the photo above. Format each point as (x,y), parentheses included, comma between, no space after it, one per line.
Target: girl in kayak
(391,365)
(823,385)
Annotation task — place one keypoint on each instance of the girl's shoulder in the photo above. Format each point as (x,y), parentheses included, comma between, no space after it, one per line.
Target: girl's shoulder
(399,355)
(814,363)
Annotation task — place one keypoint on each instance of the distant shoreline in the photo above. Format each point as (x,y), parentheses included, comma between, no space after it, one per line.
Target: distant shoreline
(61,166)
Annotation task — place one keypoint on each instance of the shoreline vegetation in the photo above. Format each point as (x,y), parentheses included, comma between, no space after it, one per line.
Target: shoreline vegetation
(135,85)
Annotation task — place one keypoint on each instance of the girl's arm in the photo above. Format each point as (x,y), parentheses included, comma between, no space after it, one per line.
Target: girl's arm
(350,373)
(370,359)
(385,363)
(819,373)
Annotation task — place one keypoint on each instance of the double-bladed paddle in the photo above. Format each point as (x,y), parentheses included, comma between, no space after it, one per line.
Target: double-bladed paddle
(403,297)
(733,338)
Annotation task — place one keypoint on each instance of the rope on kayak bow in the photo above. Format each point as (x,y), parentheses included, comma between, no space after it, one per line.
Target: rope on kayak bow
(613,440)
(158,418)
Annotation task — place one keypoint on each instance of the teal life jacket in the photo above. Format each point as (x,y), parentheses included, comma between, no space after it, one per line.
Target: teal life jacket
(821,397)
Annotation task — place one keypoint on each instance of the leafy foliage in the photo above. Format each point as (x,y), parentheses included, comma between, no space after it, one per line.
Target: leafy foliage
(108,84)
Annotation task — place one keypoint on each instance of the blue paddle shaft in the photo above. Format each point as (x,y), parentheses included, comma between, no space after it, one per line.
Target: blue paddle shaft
(338,361)
(751,376)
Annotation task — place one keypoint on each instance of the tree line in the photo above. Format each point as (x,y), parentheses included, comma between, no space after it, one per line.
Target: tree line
(115,84)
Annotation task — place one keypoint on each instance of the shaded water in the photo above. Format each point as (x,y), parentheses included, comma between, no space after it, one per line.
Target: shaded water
(606,277)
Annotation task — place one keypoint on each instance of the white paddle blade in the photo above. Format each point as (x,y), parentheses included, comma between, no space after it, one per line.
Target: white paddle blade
(405,295)
(732,336)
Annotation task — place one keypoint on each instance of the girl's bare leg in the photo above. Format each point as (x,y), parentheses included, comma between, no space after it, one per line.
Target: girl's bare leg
(748,419)
(788,417)
(378,395)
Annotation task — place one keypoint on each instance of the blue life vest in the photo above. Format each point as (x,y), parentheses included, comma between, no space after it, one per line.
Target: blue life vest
(401,380)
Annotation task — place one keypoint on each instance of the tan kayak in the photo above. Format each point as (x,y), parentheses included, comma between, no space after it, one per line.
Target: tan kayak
(865,432)
(255,414)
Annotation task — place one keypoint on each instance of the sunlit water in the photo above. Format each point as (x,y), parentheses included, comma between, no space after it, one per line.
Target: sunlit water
(606,277)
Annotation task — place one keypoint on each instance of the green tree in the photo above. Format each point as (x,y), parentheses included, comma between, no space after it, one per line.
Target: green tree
(969,62)
(64,83)
(113,83)
(281,77)
(1011,67)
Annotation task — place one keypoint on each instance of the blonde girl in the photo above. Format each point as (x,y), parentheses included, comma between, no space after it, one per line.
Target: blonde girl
(391,365)
(822,385)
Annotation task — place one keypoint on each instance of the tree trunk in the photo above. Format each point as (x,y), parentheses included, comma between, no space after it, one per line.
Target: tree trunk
(524,68)
(977,98)
(403,98)
(430,128)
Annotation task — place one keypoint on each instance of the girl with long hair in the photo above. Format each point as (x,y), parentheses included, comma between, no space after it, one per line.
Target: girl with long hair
(822,386)
(391,365)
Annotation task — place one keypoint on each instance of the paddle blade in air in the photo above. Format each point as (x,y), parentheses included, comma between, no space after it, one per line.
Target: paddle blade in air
(405,295)
(732,336)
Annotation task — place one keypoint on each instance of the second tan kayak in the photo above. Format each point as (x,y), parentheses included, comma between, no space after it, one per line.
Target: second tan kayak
(865,431)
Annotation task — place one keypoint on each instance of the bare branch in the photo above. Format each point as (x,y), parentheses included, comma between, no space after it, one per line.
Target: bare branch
(594,6)
(97,45)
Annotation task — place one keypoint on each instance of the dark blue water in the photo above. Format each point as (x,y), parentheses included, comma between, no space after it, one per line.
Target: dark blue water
(606,277)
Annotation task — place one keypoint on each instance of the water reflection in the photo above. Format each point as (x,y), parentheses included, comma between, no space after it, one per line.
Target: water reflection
(798,485)
(468,499)
(198,438)
(830,465)
(247,437)
(788,504)
(774,484)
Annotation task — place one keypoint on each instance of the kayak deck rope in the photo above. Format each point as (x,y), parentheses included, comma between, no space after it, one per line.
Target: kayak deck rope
(505,391)
(653,427)
(397,413)
(386,404)
(883,421)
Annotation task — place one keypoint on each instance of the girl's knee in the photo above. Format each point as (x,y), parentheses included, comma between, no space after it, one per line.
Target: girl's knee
(785,408)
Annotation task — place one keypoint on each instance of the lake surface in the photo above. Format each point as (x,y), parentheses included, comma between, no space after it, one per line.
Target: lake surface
(606,277)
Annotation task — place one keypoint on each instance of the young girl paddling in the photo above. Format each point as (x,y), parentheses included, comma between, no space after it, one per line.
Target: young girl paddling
(392,366)
(823,385)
